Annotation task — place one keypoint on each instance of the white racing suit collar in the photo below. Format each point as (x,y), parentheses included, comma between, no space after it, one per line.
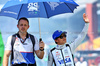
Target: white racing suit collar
(60,46)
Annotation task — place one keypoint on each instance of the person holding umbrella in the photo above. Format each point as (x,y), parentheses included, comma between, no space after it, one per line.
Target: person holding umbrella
(62,54)
(23,48)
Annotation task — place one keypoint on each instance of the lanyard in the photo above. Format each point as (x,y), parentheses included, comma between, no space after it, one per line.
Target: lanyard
(22,41)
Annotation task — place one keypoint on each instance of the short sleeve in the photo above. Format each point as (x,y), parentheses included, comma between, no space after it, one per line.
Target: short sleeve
(8,44)
(36,46)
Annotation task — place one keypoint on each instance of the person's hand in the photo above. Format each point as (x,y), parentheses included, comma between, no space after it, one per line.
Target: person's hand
(85,18)
(41,45)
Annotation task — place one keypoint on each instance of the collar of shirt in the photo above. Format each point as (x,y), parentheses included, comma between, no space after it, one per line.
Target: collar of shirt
(61,46)
(27,36)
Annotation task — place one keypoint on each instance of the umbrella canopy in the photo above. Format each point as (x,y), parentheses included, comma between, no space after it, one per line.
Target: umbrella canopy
(37,8)
(16,2)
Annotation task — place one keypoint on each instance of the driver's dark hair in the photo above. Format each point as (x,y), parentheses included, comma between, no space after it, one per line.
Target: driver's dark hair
(23,18)
(55,41)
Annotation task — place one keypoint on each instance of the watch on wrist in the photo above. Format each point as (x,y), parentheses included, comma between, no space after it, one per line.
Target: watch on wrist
(41,49)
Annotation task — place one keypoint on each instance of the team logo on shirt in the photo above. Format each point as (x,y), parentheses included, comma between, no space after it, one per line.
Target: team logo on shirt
(17,42)
(29,40)
(58,55)
(67,60)
(66,52)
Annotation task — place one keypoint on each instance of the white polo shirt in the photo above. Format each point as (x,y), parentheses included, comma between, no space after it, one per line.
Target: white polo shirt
(23,52)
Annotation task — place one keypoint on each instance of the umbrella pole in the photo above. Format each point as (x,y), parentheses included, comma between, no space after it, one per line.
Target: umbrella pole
(39,30)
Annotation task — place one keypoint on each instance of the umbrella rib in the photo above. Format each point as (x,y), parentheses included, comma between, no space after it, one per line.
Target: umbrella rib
(69,8)
(19,11)
(45,10)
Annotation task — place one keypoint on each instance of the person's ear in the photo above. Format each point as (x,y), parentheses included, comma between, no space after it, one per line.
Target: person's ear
(17,26)
(28,26)
(56,40)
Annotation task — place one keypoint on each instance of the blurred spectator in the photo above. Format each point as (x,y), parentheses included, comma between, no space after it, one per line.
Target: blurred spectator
(77,62)
(92,64)
(83,62)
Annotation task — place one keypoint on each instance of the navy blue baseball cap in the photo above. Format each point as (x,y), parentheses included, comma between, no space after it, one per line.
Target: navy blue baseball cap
(57,33)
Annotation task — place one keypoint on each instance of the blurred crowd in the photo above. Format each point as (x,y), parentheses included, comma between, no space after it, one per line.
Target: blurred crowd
(81,61)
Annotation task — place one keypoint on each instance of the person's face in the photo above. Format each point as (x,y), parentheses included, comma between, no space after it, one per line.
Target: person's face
(81,59)
(23,26)
(61,40)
